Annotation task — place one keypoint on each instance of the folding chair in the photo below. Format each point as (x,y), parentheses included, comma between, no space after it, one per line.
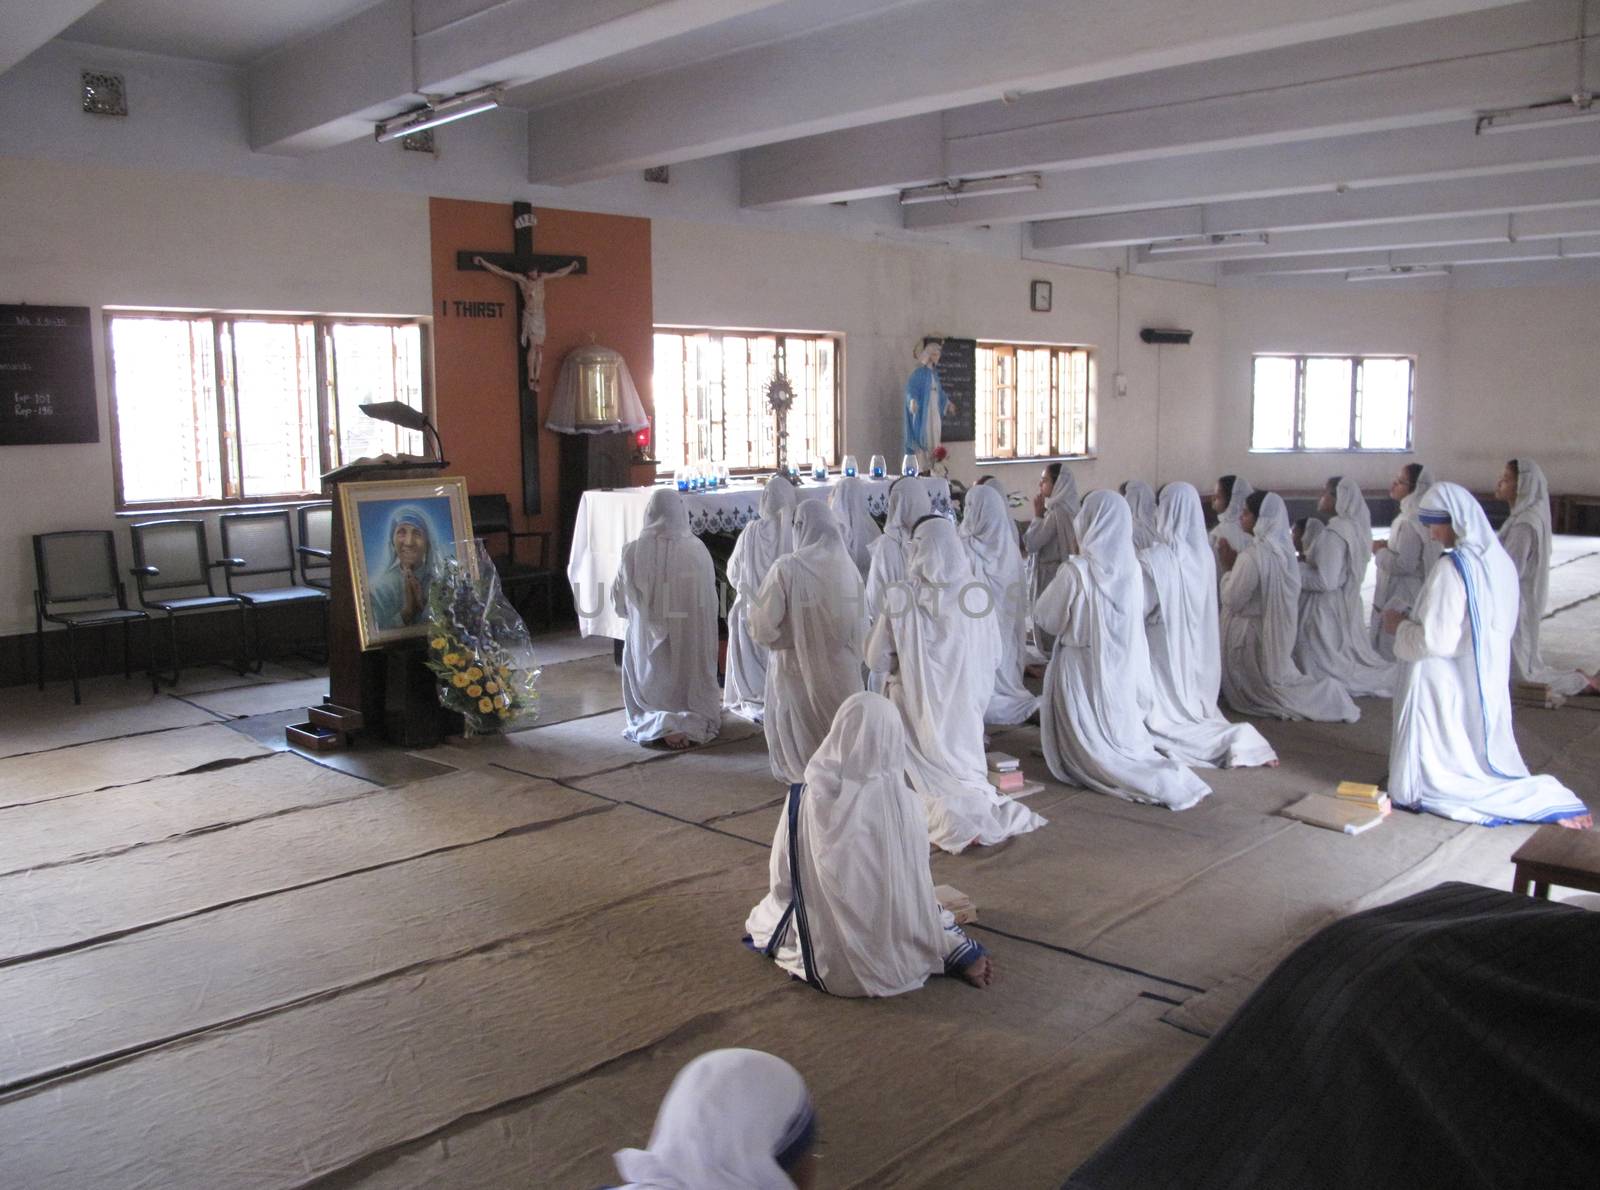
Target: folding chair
(172,556)
(80,566)
(256,544)
(316,545)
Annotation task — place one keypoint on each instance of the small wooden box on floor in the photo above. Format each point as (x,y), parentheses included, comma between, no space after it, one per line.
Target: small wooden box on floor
(1556,855)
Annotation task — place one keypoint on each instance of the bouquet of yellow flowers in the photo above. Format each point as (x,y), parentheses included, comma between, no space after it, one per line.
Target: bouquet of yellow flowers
(479,647)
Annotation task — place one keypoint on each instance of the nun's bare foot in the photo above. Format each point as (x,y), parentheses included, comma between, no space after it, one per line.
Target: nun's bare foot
(1578,822)
(1594,684)
(1273,763)
(979,973)
(676,741)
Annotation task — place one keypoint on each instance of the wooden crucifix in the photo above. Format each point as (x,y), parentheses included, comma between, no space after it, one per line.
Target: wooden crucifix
(529,271)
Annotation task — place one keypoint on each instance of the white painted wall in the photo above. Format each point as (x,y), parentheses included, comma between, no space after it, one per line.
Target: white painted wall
(1500,372)
(884,297)
(81,235)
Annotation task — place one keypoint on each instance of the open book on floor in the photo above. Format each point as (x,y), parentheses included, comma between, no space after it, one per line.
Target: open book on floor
(1334,814)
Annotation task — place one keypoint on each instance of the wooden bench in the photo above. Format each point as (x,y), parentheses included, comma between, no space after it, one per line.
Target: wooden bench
(1556,855)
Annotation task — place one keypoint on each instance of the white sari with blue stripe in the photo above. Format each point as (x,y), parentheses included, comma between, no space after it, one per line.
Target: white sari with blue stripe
(850,906)
(1453,752)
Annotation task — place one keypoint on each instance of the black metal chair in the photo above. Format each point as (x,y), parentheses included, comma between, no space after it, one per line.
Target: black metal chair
(491,516)
(316,545)
(172,556)
(80,566)
(256,544)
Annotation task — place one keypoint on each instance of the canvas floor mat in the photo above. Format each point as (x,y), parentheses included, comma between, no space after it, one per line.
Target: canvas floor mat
(63,772)
(36,722)
(263,699)
(295,1096)
(574,689)
(316,941)
(579,747)
(972,1045)
(699,787)
(130,815)
(55,908)
(1573,580)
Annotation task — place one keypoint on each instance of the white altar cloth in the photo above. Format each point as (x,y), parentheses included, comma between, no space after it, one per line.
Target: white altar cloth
(610,518)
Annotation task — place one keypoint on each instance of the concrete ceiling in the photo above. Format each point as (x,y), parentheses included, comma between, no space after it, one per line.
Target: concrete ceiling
(1268,137)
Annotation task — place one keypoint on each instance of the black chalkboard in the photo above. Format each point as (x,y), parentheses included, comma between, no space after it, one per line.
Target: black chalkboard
(46,376)
(957,378)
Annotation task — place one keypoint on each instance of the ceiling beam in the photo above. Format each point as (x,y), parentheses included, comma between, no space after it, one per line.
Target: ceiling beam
(332,87)
(1367,81)
(1544,189)
(1572,248)
(1262,171)
(25,25)
(916,59)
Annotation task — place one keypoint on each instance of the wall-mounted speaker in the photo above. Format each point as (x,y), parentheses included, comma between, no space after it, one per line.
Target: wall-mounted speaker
(1160,334)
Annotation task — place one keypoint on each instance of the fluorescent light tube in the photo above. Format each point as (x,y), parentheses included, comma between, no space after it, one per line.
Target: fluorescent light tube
(435,113)
(1227,239)
(1576,109)
(962,188)
(1395,273)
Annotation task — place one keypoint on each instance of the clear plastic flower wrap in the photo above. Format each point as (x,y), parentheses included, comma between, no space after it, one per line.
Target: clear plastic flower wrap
(479,647)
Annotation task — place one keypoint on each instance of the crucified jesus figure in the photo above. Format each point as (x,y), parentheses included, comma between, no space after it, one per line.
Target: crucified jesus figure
(531,284)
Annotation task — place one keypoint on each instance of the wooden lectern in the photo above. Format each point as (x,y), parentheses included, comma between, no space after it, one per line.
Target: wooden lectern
(362,681)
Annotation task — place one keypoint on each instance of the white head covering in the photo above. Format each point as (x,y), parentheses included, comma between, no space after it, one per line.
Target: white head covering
(659,559)
(762,542)
(1241,492)
(908,504)
(1490,578)
(1118,650)
(991,538)
(1141,498)
(1309,534)
(1062,506)
(937,556)
(1279,571)
(819,552)
(856,526)
(727,1118)
(1353,523)
(1188,597)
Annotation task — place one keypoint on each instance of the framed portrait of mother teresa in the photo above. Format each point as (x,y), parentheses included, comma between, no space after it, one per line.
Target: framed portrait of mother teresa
(398,533)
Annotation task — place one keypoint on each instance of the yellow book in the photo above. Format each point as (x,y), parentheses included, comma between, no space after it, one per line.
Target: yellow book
(1355,791)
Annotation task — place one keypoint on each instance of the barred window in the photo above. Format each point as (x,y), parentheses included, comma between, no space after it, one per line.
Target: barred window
(710,389)
(1332,403)
(1032,401)
(221,408)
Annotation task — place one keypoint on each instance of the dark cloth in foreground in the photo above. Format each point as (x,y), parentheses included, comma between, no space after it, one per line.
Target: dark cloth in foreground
(1449,1039)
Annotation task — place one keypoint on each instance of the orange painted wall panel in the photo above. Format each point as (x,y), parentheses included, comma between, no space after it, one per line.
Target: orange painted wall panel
(475,359)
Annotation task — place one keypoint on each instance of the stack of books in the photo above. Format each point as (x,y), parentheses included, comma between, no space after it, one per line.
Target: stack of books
(1006,775)
(960,905)
(1352,809)
(1535,694)
(1364,795)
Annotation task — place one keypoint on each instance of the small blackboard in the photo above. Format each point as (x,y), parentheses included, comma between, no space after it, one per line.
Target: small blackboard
(957,377)
(46,376)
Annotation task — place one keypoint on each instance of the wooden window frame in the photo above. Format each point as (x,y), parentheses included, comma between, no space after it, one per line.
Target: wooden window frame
(1059,415)
(780,351)
(230,463)
(1357,363)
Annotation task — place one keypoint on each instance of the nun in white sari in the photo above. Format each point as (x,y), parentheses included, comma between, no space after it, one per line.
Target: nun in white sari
(1333,641)
(761,543)
(856,526)
(1260,614)
(1526,536)
(1050,537)
(808,616)
(941,660)
(1453,752)
(908,504)
(1405,559)
(1185,649)
(1141,498)
(1228,502)
(990,539)
(1097,689)
(666,588)
(850,906)
(733,1119)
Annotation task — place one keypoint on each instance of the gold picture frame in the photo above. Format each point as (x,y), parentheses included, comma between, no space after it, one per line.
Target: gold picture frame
(397,533)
